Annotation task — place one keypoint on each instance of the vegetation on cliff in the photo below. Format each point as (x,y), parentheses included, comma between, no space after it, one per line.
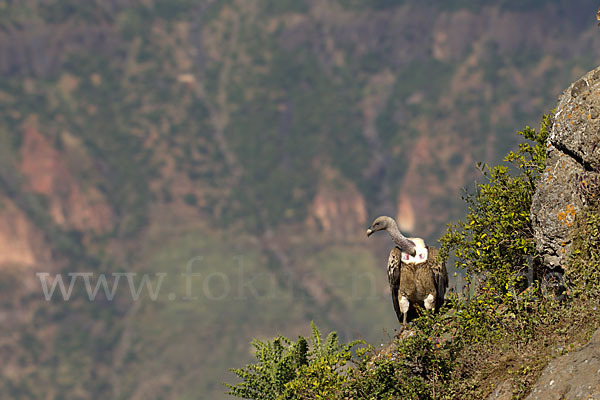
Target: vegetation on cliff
(502,329)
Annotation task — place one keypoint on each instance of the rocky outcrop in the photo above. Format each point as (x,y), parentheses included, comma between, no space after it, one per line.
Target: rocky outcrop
(572,170)
(571,178)
(338,208)
(21,244)
(573,376)
(47,173)
(406,217)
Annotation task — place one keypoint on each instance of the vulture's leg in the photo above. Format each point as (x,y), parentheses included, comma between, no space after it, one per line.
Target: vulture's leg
(430,302)
(404,305)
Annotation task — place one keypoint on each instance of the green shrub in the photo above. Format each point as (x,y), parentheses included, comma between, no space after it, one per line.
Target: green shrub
(413,367)
(322,377)
(288,370)
(496,239)
(277,365)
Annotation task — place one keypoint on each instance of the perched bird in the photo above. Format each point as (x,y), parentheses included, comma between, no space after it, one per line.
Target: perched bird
(415,276)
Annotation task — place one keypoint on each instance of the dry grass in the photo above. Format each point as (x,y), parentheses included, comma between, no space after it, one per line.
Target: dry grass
(516,358)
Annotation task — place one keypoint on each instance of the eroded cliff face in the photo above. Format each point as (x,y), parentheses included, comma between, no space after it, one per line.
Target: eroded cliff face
(46,173)
(406,217)
(572,170)
(338,208)
(21,243)
(43,170)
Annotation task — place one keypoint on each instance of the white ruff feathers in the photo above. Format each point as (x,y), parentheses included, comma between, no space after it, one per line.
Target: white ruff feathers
(421,255)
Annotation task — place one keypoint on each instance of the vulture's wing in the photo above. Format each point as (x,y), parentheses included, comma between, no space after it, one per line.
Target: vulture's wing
(394,266)
(440,277)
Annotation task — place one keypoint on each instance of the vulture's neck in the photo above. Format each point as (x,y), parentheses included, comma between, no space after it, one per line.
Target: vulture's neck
(401,241)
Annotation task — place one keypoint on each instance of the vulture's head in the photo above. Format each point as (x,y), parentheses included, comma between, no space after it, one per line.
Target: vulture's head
(380,224)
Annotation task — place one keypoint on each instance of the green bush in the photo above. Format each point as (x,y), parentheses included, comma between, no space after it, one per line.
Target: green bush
(322,377)
(413,367)
(277,365)
(288,370)
(496,239)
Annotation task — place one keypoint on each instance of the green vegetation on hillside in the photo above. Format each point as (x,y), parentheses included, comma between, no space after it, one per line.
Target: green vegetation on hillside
(510,5)
(291,99)
(228,116)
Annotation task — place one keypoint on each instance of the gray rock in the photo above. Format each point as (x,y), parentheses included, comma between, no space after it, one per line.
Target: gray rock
(577,126)
(504,391)
(573,376)
(573,165)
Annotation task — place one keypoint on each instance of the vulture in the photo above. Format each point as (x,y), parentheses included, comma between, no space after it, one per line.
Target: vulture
(415,276)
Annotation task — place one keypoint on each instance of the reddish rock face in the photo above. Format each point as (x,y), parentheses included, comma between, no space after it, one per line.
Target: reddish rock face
(46,173)
(406,215)
(339,210)
(21,244)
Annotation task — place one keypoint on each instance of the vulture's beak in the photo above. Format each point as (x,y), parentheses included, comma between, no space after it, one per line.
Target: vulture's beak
(369,232)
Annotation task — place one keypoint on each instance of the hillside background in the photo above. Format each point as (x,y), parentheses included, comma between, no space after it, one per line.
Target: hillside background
(252,140)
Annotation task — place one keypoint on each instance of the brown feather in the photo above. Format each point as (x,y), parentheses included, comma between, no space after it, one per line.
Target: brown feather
(416,281)
(394,275)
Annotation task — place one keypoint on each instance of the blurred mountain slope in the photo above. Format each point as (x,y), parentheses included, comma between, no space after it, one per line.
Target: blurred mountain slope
(138,135)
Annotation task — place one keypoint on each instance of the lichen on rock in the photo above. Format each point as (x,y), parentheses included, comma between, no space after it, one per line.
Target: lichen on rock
(573,164)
